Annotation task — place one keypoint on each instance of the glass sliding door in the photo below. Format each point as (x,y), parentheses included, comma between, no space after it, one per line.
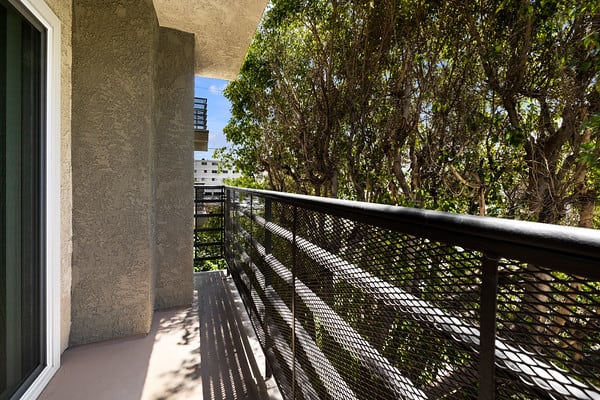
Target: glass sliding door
(22,198)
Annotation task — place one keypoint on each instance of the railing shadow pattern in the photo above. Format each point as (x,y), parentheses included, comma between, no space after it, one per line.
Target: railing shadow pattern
(224,369)
(361,301)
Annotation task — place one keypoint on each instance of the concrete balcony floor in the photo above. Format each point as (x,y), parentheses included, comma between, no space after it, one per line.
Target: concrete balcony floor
(207,351)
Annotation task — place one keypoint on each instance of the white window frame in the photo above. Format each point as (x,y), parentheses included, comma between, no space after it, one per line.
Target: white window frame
(40,10)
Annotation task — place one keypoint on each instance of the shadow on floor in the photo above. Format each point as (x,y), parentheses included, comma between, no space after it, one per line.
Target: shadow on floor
(194,352)
(224,367)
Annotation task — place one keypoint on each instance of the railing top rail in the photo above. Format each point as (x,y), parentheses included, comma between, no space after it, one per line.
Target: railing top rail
(570,249)
(212,187)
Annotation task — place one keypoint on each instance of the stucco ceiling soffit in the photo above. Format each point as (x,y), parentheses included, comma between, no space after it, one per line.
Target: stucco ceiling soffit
(223,30)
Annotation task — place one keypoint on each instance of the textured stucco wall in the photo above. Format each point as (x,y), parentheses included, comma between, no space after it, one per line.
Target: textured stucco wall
(63,10)
(174,169)
(114,54)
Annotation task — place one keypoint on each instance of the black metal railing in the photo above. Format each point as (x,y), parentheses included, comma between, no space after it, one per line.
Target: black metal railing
(208,224)
(363,301)
(200,114)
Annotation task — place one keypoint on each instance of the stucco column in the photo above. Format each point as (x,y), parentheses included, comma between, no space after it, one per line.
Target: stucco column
(174,163)
(115,46)
(64,10)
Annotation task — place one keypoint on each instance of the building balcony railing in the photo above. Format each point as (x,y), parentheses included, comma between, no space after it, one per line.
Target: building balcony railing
(360,301)
(200,113)
(200,127)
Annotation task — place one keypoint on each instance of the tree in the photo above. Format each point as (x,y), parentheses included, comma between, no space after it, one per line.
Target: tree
(488,107)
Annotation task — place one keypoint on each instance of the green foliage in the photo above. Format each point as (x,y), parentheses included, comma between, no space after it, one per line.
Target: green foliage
(209,237)
(246,182)
(486,108)
(209,265)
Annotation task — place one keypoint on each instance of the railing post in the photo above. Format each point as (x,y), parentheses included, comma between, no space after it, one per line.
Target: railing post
(268,283)
(268,237)
(222,224)
(294,258)
(227,232)
(251,228)
(487,327)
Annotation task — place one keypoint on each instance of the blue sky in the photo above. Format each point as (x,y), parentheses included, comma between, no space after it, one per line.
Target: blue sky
(218,113)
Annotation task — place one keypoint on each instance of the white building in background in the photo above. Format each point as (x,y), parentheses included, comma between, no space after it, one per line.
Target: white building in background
(210,172)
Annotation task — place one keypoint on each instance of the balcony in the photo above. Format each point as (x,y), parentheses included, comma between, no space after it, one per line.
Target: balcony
(200,128)
(352,300)
(205,351)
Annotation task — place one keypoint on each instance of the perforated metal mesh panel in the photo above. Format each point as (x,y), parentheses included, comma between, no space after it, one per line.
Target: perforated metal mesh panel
(554,319)
(348,308)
